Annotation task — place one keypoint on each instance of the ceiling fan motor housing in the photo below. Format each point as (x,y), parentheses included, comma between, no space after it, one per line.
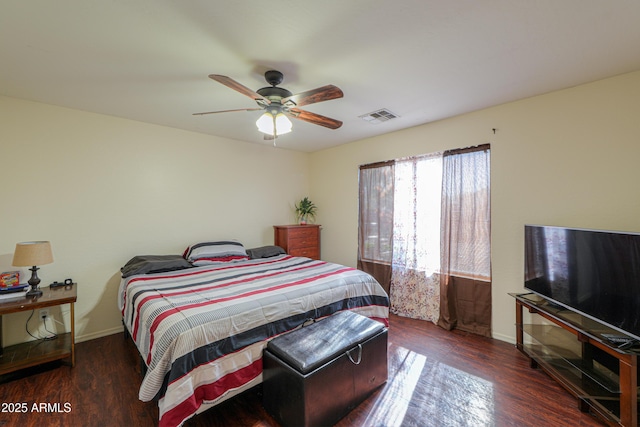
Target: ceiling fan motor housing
(273,77)
(274,93)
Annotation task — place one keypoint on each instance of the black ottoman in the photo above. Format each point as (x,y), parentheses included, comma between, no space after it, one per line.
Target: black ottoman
(317,374)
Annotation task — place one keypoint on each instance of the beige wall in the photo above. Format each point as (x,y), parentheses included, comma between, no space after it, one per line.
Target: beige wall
(568,158)
(103,189)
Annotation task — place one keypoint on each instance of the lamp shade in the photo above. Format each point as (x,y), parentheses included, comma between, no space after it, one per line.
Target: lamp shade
(32,253)
(266,124)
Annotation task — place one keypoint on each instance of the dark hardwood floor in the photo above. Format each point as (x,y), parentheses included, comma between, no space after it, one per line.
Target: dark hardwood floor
(436,378)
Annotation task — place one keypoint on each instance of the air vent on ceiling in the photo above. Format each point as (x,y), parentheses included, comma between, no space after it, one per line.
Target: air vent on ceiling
(379,116)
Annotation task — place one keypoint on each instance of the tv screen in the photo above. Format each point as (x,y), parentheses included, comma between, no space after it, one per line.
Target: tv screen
(596,273)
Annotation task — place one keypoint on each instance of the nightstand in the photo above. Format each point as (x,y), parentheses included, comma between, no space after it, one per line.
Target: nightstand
(298,240)
(32,353)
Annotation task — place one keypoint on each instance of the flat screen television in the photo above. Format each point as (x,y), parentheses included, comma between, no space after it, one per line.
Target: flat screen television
(593,272)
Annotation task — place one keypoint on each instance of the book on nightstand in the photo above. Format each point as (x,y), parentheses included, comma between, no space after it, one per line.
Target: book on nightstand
(10,286)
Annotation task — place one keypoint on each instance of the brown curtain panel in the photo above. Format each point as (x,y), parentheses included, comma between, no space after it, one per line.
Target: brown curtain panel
(375,221)
(465,263)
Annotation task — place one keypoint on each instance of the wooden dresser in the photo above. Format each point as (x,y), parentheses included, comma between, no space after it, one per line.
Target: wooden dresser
(298,240)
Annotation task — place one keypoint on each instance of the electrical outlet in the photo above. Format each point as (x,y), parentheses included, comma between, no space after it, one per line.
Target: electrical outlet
(44,314)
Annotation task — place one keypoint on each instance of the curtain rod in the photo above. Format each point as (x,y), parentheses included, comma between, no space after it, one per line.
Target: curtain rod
(377,164)
(482,147)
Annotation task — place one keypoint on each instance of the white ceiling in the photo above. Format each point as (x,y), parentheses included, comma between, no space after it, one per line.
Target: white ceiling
(424,60)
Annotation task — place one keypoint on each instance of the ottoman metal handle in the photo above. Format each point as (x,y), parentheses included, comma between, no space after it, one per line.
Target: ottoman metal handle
(359,355)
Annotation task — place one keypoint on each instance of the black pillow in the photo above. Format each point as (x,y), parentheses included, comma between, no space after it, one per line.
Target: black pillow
(147,264)
(265,252)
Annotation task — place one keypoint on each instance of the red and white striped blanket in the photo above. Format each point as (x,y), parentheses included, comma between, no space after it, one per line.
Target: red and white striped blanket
(201,331)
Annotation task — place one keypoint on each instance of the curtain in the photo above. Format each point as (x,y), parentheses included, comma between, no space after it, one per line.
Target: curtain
(465,265)
(375,222)
(415,290)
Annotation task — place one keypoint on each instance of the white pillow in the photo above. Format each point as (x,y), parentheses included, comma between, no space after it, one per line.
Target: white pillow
(215,252)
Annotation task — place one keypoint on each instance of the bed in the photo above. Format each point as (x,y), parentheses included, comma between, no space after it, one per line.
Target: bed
(201,323)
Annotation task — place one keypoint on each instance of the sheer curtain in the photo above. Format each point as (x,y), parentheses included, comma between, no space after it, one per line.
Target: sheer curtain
(375,222)
(465,280)
(415,284)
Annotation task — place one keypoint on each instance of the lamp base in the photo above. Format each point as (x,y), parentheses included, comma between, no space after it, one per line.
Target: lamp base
(34,282)
(34,292)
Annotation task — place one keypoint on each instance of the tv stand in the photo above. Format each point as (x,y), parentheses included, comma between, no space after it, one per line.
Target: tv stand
(574,351)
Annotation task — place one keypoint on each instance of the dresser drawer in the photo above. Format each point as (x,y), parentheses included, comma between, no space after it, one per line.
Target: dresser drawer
(313,253)
(303,233)
(303,242)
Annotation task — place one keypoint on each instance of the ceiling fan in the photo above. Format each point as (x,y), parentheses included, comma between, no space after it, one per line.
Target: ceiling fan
(279,104)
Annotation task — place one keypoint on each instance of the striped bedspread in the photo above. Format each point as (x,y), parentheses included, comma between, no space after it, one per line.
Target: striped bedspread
(201,331)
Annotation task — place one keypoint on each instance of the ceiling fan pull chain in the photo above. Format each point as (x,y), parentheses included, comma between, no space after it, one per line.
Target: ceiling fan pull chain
(275,132)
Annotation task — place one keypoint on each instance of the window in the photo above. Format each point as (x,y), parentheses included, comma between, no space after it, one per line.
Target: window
(466,212)
(425,221)
(376,212)
(416,213)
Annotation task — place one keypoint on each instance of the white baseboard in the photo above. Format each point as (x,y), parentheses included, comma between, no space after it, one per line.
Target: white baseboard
(505,338)
(100,334)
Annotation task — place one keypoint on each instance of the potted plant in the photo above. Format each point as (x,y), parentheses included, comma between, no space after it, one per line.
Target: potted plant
(305,210)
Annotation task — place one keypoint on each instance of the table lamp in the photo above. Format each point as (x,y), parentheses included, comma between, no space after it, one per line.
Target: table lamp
(33,254)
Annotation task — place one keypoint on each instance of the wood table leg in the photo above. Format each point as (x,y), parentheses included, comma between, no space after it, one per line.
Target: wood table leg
(519,331)
(73,337)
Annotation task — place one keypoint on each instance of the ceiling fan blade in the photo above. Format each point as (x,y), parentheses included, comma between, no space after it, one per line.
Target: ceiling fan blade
(324,93)
(314,118)
(226,111)
(232,84)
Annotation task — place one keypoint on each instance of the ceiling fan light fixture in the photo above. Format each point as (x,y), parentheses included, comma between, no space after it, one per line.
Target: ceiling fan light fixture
(279,126)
